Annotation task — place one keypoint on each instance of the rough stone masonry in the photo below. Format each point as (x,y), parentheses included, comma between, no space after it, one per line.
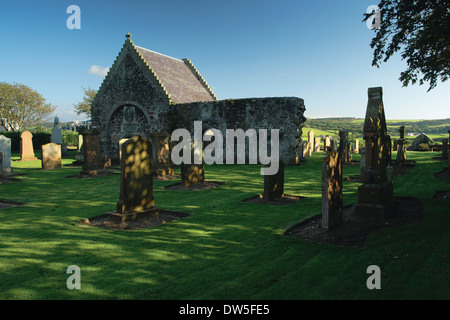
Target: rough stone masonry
(146,92)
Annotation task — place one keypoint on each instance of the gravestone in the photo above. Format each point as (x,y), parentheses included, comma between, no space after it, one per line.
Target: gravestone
(51,156)
(349,152)
(93,162)
(317,144)
(389,149)
(362,163)
(303,148)
(136,180)
(445,149)
(79,156)
(356,149)
(274,185)
(326,145)
(334,145)
(343,145)
(311,139)
(401,148)
(395,145)
(332,204)
(26,147)
(191,173)
(120,143)
(5,149)
(375,196)
(162,164)
(56,132)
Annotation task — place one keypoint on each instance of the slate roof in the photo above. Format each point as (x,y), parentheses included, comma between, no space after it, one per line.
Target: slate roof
(180,79)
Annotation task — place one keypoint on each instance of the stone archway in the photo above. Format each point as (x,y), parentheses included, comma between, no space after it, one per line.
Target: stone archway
(126,120)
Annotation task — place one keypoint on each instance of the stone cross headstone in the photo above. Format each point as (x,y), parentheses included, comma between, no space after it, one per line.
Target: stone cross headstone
(162,163)
(93,162)
(445,149)
(343,145)
(26,147)
(317,144)
(274,185)
(5,149)
(375,196)
(136,179)
(51,156)
(332,203)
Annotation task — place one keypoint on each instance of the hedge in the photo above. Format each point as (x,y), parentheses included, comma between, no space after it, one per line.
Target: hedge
(41,137)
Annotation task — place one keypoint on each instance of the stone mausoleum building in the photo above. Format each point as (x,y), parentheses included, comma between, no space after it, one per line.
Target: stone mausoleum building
(146,92)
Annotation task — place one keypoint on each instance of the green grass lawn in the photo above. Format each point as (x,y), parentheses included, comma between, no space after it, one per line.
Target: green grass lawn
(226,249)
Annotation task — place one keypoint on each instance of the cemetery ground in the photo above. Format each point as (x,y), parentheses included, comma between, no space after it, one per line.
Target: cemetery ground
(225,248)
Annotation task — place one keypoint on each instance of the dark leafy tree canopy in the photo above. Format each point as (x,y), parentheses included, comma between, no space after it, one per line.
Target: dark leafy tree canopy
(420,30)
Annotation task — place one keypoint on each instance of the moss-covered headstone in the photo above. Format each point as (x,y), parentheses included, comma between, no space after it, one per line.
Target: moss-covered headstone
(136,180)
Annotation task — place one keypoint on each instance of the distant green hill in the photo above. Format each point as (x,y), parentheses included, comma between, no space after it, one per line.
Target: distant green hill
(436,129)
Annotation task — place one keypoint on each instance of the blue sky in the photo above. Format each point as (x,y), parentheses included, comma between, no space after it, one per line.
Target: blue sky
(315,50)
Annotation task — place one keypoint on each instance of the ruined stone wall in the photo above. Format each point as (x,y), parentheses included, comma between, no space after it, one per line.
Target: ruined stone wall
(285,114)
(131,102)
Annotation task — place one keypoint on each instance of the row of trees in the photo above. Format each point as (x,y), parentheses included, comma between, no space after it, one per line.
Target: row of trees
(22,107)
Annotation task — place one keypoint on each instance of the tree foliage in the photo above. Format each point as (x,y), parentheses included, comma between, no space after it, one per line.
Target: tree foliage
(420,30)
(84,106)
(21,106)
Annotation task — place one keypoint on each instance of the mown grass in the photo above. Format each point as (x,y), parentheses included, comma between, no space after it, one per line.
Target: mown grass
(226,249)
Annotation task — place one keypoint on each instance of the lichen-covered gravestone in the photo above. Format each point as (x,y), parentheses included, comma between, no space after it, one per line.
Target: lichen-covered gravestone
(344,145)
(375,196)
(311,139)
(362,163)
(26,147)
(332,211)
(317,144)
(5,149)
(136,179)
(193,173)
(93,163)
(401,148)
(326,144)
(51,156)
(445,149)
(274,185)
(162,164)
